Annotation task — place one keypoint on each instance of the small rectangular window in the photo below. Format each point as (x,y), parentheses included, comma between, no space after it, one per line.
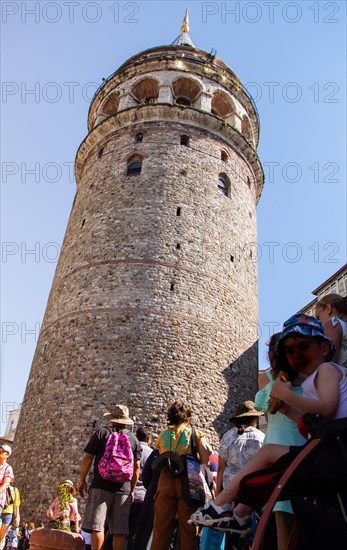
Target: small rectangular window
(178,211)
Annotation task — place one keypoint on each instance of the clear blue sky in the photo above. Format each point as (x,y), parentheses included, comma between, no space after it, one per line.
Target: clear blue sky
(291,55)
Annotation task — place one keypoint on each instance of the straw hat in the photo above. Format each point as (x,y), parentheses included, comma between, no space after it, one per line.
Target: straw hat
(119,415)
(245,409)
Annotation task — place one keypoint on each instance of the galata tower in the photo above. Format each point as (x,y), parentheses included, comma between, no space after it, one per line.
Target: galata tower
(155,293)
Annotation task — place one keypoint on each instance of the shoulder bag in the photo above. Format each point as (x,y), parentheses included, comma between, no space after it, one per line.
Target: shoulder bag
(195,490)
(9,496)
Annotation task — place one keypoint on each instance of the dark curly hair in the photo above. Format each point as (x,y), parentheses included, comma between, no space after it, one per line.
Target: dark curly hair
(178,413)
(278,359)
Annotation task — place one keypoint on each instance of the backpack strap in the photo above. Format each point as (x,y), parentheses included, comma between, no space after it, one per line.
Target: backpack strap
(193,444)
(111,430)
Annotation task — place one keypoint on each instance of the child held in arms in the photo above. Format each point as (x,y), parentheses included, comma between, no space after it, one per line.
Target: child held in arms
(304,346)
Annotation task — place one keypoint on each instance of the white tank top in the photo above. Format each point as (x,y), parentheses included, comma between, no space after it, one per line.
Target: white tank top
(311,392)
(342,357)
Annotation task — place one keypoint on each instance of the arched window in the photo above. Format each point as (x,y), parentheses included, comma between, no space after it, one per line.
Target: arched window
(146,90)
(223,185)
(134,169)
(134,166)
(221,104)
(184,140)
(224,156)
(185,91)
(183,101)
(111,104)
(139,137)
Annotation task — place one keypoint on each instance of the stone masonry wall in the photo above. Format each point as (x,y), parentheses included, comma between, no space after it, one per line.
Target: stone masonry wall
(131,317)
(154,296)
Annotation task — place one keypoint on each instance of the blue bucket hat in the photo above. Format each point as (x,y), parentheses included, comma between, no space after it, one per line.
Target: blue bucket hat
(307,326)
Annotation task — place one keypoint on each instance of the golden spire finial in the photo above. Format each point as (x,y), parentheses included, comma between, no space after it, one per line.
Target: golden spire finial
(185,25)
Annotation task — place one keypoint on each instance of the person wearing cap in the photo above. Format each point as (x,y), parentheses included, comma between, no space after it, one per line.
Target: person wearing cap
(109,500)
(307,349)
(6,477)
(239,444)
(69,515)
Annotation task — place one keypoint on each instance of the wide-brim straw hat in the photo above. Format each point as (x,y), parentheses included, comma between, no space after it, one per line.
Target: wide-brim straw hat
(245,409)
(119,415)
(68,483)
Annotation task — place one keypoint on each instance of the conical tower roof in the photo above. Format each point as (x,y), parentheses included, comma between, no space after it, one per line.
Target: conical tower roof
(184,39)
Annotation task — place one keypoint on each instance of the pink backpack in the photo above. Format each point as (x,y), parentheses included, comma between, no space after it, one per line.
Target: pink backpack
(117,462)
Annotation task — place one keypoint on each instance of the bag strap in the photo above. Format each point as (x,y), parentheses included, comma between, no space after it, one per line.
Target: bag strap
(112,429)
(193,443)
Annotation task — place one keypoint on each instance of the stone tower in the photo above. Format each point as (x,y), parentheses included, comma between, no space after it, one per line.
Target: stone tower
(155,292)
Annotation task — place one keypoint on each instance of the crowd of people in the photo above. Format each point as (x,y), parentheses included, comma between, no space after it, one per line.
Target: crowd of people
(302,347)
(140,496)
(12,535)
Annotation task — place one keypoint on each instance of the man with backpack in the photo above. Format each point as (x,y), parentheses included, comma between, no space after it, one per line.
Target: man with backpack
(116,453)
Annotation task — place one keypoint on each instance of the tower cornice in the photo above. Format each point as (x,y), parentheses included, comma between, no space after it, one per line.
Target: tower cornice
(182,58)
(175,114)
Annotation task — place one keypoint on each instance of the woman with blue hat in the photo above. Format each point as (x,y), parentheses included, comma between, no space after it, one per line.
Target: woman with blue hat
(305,347)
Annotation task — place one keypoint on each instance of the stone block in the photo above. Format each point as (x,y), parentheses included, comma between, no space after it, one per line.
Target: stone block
(53,539)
